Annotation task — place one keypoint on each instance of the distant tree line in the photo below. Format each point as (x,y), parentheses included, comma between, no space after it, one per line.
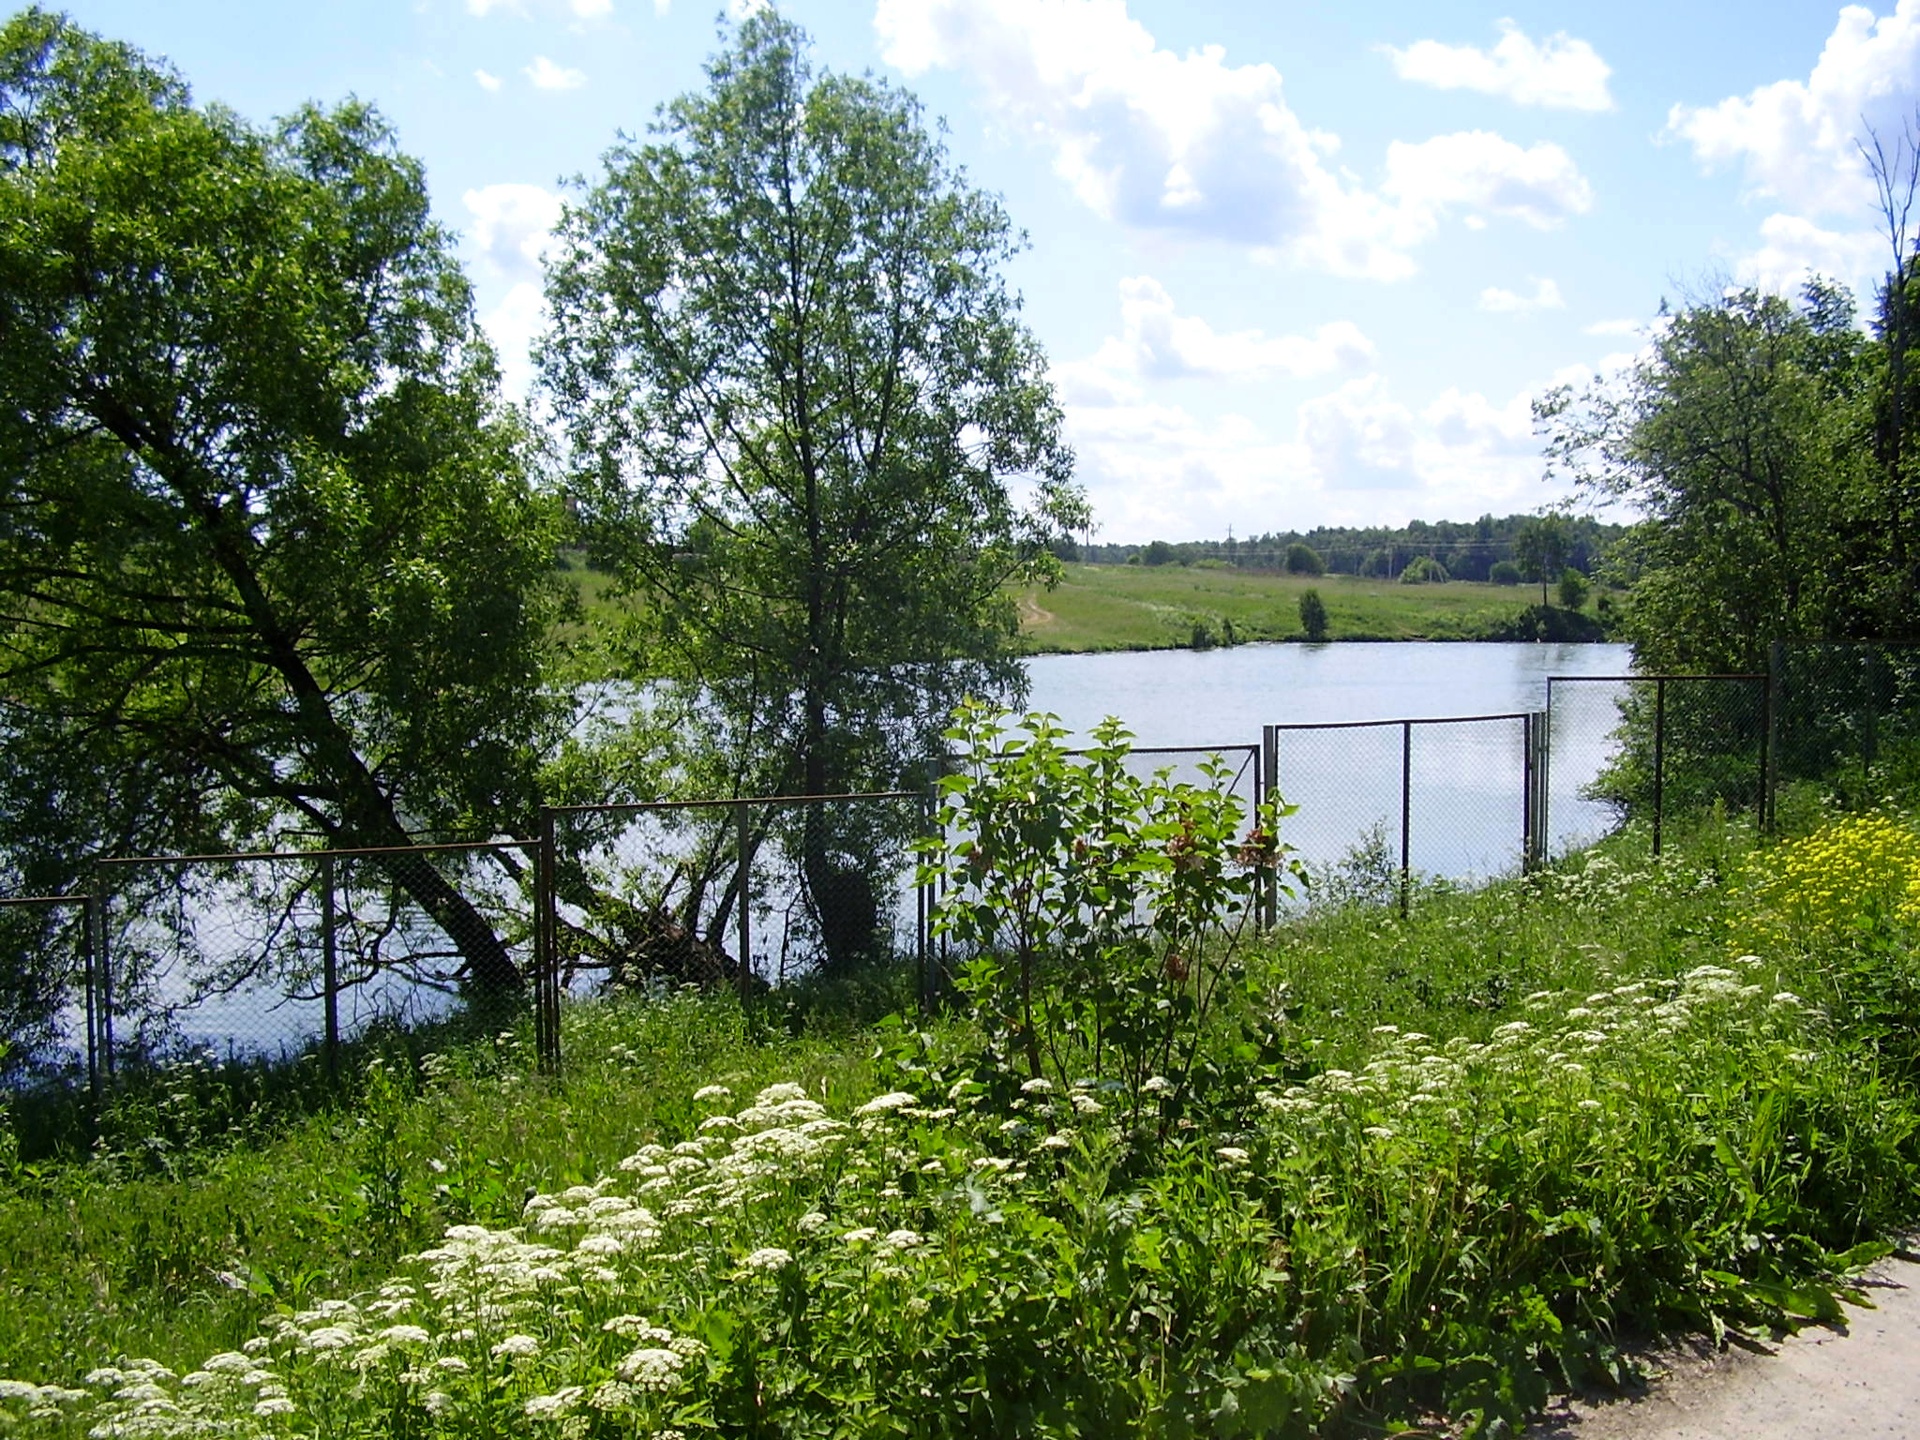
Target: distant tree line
(1462,550)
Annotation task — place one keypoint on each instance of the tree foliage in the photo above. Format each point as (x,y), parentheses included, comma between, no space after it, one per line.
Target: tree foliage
(271,564)
(1742,439)
(801,398)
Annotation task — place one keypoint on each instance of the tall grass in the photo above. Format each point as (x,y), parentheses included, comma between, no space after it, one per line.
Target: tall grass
(1441,1164)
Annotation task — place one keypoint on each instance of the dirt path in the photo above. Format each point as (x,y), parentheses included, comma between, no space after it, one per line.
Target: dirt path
(1860,1381)
(1032,616)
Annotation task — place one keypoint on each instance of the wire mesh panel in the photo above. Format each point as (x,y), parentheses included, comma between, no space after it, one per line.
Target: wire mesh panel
(1681,742)
(1467,798)
(1585,719)
(1345,782)
(683,892)
(1381,802)
(1839,706)
(46,1014)
(275,954)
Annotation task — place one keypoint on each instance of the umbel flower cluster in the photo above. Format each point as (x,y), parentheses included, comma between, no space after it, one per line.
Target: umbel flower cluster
(932,1263)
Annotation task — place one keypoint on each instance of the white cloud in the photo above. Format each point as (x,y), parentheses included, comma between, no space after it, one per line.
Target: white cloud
(1795,139)
(1562,73)
(511,227)
(546,75)
(1156,342)
(1793,248)
(580,9)
(1545,296)
(1614,327)
(512,326)
(486,81)
(1355,455)
(1193,145)
(1478,169)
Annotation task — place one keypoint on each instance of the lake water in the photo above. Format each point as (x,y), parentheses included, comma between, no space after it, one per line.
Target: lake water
(1464,781)
(1464,816)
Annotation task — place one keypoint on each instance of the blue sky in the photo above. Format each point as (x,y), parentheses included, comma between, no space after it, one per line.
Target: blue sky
(1292,263)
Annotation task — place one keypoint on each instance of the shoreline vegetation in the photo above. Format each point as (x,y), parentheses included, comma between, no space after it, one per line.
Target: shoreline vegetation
(1103,608)
(1136,607)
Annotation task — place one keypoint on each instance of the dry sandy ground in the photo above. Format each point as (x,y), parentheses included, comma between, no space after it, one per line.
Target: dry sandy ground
(1860,1381)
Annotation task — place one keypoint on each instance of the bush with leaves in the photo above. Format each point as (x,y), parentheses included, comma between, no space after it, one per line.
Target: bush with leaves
(1099,911)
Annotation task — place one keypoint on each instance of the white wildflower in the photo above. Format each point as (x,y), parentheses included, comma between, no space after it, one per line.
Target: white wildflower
(518,1347)
(1039,1085)
(711,1092)
(1087,1105)
(884,1104)
(552,1407)
(652,1368)
(1156,1085)
(769,1257)
(1232,1154)
(903,1239)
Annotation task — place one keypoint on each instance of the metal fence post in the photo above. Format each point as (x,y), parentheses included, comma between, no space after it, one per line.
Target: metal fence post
(1659,757)
(1869,708)
(330,966)
(741,834)
(1406,813)
(88,920)
(1526,793)
(103,961)
(1776,693)
(1266,781)
(546,951)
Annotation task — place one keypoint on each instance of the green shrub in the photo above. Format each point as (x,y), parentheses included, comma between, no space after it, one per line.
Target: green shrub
(1313,616)
(1572,588)
(1303,559)
(1505,572)
(1424,570)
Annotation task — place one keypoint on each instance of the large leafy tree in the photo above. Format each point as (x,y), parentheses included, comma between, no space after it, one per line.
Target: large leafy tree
(802,403)
(1743,437)
(271,560)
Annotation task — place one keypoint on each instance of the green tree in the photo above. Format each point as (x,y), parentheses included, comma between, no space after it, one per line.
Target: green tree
(801,398)
(1313,616)
(1743,438)
(1159,552)
(1572,589)
(1303,559)
(1540,548)
(270,560)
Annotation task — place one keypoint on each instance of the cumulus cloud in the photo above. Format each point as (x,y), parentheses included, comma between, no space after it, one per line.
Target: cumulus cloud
(486,81)
(1480,170)
(1545,295)
(1357,454)
(1191,144)
(1156,342)
(1793,249)
(1560,73)
(1614,327)
(546,75)
(511,227)
(1795,140)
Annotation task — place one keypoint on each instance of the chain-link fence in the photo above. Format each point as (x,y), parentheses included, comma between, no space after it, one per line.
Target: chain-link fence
(49,1015)
(296,953)
(752,892)
(1679,742)
(1382,802)
(1839,708)
(276,954)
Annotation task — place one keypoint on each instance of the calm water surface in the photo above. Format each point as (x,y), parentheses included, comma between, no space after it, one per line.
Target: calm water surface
(1465,783)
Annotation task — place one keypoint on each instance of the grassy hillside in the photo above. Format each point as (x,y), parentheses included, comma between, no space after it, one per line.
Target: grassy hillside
(1137,607)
